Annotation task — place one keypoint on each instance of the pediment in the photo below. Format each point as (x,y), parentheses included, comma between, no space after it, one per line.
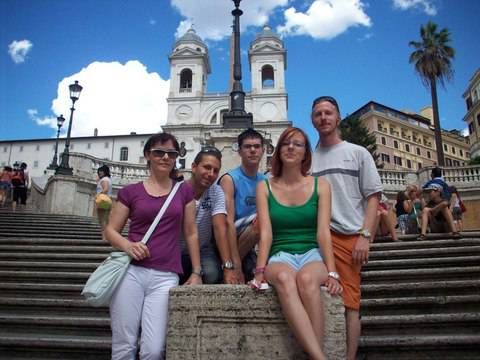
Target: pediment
(266,48)
(187,52)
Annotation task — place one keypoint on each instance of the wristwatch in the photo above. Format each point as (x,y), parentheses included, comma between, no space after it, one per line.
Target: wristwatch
(197,271)
(365,233)
(228,265)
(334,275)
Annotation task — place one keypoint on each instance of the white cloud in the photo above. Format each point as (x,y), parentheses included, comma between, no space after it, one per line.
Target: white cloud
(325,19)
(18,50)
(152,22)
(116,99)
(427,5)
(211,20)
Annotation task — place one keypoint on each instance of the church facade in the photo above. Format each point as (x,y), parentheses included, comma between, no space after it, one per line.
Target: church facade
(194,116)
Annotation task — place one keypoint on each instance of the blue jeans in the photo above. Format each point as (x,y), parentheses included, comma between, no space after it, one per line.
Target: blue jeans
(211,266)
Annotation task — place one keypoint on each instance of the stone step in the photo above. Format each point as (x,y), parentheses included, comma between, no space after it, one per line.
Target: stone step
(47,347)
(420,288)
(42,276)
(420,305)
(421,347)
(24,267)
(55,324)
(41,289)
(410,324)
(45,223)
(446,273)
(23,305)
(30,250)
(422,253)
(443,242)
(53,243)
(420,263)
(16,257)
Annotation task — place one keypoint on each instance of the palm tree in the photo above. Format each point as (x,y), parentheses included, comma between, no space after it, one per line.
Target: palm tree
(433,62)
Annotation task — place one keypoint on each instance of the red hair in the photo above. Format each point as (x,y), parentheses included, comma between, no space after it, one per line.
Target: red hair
(285,136)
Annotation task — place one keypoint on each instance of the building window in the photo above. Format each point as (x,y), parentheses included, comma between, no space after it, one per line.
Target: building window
(89,145)
(35,164)
(470,128)
(453,150)
(461,152)
(186,80)
(397,160)
(478,119)
(456,163)
(448,161)
(469,103)
(37,147)
(395,144)
(5,149)
(445,147)
(181,163)
(21,148)
(106,144)
(419,166)
(384,141)
(385,158)
(429,155)
(419,152)
(268,81)
(124,153)
(409,163)
(407,148)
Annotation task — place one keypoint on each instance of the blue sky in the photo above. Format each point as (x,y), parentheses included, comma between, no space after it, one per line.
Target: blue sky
(355,50)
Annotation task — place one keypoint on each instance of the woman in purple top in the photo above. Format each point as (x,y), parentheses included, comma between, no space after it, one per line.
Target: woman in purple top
(141,299)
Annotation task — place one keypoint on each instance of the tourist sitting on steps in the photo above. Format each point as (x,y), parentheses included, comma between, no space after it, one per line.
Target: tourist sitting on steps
(436,215)
(295,249)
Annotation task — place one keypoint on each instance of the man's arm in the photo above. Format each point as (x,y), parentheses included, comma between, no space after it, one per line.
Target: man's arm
(219,222)
(362,246)
(229,190)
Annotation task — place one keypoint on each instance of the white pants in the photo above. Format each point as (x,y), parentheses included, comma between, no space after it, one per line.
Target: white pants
(141,300)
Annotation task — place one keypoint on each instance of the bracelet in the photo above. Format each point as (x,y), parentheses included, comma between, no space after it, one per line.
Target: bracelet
(259,270)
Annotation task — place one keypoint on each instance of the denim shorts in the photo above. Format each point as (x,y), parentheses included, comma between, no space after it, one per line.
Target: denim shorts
(296,261)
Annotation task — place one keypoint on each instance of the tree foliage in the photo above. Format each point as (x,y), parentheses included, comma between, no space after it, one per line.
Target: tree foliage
(433,63)
(353,130)
(474,161)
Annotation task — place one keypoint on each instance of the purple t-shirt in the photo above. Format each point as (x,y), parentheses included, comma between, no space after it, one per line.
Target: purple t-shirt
(164,244)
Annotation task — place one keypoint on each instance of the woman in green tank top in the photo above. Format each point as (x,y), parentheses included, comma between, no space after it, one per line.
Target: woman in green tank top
(293,210)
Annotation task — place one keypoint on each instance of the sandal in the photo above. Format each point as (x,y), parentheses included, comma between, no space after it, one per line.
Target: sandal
(456,235)
(422,237)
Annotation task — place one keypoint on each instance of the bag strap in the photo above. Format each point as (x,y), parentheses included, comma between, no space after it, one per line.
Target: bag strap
(164,207)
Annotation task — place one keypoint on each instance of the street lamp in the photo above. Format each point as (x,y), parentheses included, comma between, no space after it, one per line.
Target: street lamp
(64,168)
(60,121)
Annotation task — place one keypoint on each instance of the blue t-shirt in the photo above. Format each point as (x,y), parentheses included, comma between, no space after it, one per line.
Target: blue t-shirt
(245,192)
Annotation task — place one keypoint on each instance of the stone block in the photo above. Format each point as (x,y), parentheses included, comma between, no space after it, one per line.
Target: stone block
(235,322)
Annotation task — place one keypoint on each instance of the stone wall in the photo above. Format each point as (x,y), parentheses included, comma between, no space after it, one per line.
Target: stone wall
(235,322)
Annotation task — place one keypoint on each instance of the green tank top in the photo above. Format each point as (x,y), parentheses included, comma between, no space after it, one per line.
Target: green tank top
(294,228)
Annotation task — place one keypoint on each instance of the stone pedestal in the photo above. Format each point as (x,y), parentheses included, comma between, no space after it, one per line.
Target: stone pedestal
(234,322)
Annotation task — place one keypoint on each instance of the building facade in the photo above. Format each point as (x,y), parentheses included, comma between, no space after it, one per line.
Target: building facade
(472,117)
(405,140)
(194,116)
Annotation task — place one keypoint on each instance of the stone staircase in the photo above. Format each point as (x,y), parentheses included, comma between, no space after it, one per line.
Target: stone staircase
(44,262)
(421,300)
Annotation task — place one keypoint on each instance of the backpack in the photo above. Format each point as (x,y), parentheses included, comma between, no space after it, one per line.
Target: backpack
(18,178)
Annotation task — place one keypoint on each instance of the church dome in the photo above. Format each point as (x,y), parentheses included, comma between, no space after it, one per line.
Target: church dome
(267,34)
(190,37)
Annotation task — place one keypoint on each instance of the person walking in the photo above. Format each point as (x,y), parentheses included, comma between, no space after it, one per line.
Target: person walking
(104,186)
(5,184)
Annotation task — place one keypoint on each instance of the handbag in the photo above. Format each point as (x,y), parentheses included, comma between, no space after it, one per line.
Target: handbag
(102,283)
(462,206)
(103,201)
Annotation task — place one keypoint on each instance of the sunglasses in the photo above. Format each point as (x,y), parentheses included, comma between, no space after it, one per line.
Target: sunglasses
(159,153)
(330,99)
(211,150)
(251,146)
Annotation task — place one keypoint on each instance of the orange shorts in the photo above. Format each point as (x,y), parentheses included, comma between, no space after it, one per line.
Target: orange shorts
(349,273)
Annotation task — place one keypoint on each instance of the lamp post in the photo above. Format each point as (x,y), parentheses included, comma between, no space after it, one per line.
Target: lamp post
(64,168)
(60,121)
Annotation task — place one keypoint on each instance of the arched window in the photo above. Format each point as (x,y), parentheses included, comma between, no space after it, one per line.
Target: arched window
(213,120)
(186,80)
(268,80)
(124,153)
(223,111)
